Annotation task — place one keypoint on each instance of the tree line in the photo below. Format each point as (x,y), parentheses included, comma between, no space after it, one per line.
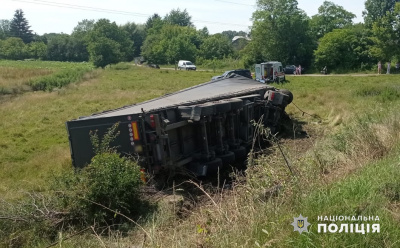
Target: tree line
(159,40)
(280,31)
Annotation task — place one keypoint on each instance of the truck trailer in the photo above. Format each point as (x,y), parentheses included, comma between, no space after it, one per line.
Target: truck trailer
(199,129)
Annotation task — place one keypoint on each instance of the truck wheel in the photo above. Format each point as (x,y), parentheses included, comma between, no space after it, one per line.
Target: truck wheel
(227,158)
(288,93)
(240,152)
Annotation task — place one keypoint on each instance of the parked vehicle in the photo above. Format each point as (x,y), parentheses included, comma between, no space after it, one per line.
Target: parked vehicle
(291,69)
(186,65)
(324,70)
(241,72)
(271,71)
(155,66)
(199,129)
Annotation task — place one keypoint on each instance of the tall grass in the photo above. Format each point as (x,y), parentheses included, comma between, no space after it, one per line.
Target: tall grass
(58,79)
(14,80)
(22,76)
(348,164)
(353,171)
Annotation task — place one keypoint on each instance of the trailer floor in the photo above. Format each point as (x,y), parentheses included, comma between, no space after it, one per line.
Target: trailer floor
(201,93)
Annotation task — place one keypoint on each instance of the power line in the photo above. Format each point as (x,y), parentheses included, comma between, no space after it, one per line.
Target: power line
(110,11)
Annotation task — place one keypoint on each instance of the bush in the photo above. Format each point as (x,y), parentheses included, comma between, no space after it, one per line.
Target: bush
(113,182)
(58,80)
(107,187)
(103,193)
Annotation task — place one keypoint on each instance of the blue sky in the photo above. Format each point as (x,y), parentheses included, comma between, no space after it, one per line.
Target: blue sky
(217,15)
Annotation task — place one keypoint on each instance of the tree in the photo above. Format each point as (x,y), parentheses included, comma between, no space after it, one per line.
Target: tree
(330,16)
(171,44)
(105,51)
(19,27)
(280,32)
(204,33)
(37,50)
(375,9)
(344,49)
(84,27)
(153,21)
(386,35)
(79,43)
(216,46)
(108,44)
(180,18)
(58,47)
(4,29)
(137,34)
(12,48)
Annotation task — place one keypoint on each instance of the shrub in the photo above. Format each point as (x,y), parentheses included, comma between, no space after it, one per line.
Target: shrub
(113,182)
(107,187)
(58,80)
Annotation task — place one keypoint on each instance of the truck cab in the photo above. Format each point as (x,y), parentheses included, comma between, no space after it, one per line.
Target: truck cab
(271,71)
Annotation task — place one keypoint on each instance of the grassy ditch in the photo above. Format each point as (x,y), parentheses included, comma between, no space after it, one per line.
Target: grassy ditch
(344,152)
(330,179)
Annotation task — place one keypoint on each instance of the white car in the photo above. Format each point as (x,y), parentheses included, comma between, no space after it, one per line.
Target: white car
(186,65)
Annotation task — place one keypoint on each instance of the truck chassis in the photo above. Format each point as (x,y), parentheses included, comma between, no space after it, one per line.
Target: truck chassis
(199,129)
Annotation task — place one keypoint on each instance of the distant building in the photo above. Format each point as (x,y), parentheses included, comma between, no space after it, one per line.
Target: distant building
(239,42)
(240,37)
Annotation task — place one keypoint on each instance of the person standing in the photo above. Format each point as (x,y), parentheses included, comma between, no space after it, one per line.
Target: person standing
(397,67)
(379,67)
(388,68)
(299,69)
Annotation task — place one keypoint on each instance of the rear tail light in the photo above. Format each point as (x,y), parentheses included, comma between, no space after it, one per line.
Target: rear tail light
(272,96)
(135,130)
(152,121)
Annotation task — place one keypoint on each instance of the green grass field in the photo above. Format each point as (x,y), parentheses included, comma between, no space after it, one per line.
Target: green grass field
(349,165)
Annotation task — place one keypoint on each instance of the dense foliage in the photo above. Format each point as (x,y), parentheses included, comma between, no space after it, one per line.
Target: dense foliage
(19,27)
(330,16)
(107,187)
(280,31)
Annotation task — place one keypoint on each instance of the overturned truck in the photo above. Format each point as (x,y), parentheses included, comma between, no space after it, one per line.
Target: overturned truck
(199,129)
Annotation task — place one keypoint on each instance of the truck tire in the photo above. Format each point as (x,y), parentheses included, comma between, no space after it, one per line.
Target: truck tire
(288,93)
(227,158)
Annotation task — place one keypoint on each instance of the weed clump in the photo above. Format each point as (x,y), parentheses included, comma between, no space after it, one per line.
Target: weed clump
(58,80)
(382,94)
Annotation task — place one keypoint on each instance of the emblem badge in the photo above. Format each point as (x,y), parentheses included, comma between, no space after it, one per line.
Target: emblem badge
(300,224)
